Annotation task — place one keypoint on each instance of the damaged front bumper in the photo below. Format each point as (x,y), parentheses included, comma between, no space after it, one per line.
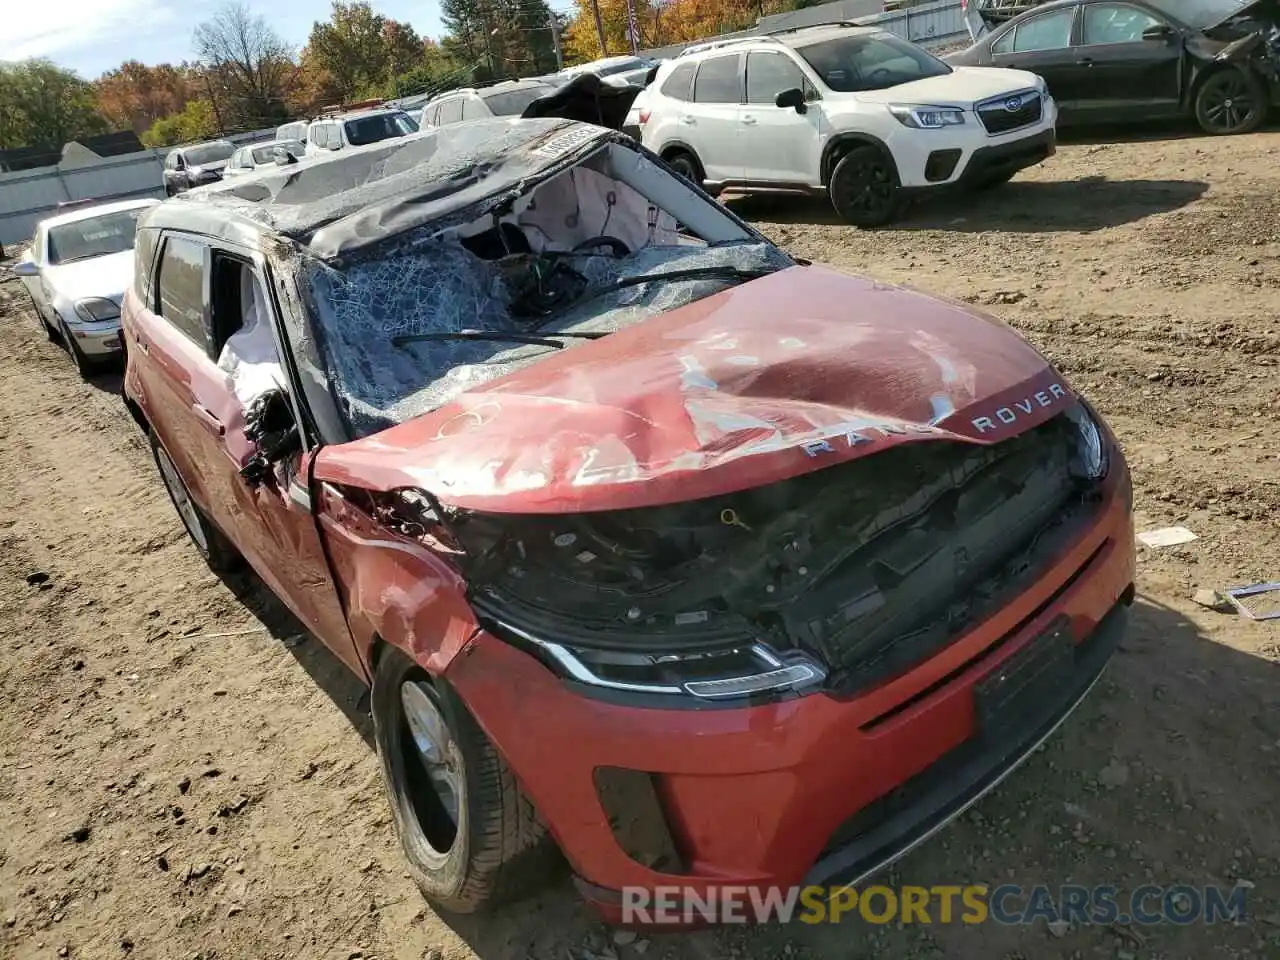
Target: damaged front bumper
(821,788)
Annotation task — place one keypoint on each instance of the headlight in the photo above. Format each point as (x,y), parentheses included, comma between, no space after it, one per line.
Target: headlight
(97,308)
(926,118)
(1092,460)
(711,675)
(1041,86)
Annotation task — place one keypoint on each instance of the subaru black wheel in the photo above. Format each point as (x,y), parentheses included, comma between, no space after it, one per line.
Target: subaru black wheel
(864,187)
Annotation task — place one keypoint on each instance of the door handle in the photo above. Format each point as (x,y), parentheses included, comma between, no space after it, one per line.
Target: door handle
(689,120)
(141,344)
(208,420)
(1085,61)
(749,121)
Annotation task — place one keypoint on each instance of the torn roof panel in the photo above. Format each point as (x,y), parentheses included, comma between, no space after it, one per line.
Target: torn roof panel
(339,202)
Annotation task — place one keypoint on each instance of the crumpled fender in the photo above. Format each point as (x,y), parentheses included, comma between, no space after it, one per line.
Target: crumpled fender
(394,589)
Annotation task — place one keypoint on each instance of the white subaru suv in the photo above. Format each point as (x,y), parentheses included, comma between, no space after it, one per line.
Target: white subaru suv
(854,112)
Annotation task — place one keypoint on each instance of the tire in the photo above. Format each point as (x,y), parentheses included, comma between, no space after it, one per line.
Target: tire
(686,164)
(1231,101)
(472,839)
(208,540)
(864,187)
(84,366)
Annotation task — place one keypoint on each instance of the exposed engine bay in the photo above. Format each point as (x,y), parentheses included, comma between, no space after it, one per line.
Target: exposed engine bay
(868,566)
(576,257)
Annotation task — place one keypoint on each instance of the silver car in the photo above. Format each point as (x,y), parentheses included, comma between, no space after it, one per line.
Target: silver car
(76,270)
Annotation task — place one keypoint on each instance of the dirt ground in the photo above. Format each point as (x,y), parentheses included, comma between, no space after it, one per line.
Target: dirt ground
(182,776)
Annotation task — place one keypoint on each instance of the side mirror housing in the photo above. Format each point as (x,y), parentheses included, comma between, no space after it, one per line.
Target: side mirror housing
(792,99)
(270,426)
(25,268)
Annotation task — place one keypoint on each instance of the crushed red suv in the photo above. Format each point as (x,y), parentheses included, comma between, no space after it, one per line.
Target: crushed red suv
(696,563)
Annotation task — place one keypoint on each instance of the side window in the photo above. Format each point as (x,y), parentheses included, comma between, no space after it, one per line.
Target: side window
(679,86)
(451,111)
(473,108)
(317,134)
(233,290)
(717,81)
(144,251)
(1004,44)
(182,287)
(768,74)
(1050,31)
(1115,23)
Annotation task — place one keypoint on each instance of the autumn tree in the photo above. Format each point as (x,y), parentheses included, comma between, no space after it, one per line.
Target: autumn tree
(43,105)
(136,96)
(499,38)
(350,46)
(248,67)
(196,121)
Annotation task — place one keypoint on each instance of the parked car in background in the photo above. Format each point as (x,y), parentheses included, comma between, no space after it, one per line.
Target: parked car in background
(359,129)
(257,155)
(196,165)
(506,99)
(706,562)
(1119,61)
(621,71)
(855,113)
(76,271)
(293,130)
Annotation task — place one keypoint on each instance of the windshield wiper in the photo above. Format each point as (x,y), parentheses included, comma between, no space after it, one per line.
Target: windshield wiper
(496,336)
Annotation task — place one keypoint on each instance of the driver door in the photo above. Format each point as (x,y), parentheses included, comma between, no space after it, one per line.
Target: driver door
(780,145)
(1129,78)
(36,285)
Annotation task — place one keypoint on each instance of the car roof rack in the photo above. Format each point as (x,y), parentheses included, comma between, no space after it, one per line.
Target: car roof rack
(813,26)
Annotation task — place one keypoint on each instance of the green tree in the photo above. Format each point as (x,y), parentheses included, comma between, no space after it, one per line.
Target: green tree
(499,38)
(197,121)
(350,47)
(43,105)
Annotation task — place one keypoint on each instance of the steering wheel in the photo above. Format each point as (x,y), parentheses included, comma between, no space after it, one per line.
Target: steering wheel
(878,71)
(612,244)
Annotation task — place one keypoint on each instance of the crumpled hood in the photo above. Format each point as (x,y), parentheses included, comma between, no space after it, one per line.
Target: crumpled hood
(99,277)
(787,374)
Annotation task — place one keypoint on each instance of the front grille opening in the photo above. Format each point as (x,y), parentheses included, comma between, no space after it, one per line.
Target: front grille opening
(996,116)
(632,804)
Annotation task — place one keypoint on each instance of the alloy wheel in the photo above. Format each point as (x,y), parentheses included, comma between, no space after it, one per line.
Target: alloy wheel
(1228,102)
(182,500)
(868,187)
(437,757)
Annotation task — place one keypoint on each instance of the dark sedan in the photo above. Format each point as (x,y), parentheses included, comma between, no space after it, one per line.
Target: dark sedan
(1107,61)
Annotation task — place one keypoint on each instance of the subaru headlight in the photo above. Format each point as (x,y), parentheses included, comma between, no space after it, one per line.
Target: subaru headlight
(97,308)
(1092,459)
(1041,87)
(926,118)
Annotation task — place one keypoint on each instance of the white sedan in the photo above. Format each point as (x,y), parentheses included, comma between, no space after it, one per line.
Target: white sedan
(77,269)
(258,155)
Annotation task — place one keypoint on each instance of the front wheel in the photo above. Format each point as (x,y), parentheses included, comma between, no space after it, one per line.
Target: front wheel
(84,366)
(472,839)
(216,549)
(1232,100)
(864,188)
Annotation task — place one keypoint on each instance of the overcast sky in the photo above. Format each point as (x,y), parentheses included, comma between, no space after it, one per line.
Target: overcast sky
(91,36)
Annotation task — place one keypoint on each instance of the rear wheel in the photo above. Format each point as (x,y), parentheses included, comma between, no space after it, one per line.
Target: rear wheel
(686,164)
(864,187)
(1231,100)
(216,549)
(471,837)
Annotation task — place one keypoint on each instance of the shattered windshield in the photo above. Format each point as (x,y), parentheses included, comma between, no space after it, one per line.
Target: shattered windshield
(388,323)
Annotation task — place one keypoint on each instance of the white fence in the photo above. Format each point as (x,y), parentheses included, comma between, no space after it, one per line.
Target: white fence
(28,196)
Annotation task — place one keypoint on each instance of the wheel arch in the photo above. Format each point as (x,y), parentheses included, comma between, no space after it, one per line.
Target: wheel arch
(840,144)
(1216,67)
